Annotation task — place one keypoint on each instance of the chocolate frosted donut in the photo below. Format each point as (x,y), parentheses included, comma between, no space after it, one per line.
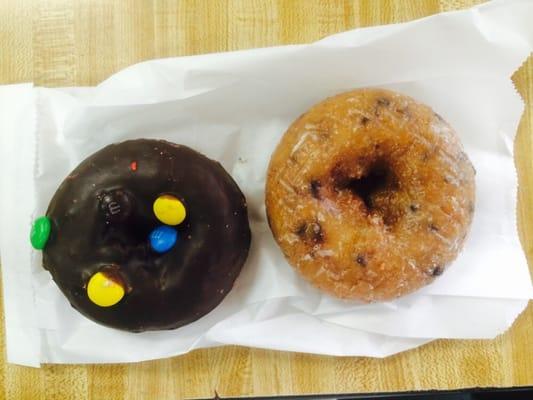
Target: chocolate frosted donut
(370,195)
(145,235)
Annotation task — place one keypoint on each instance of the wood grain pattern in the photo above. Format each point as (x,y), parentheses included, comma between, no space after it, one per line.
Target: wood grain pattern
(67,42)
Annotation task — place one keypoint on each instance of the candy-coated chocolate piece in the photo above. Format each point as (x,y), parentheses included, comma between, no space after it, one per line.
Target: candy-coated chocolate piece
(163,238)
(40,232)
(116,205)
(169,210)
(104,290)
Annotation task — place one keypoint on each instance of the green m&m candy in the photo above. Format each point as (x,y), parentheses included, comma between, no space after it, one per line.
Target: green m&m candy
(40,232)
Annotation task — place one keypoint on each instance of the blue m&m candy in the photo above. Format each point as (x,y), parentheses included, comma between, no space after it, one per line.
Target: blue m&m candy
(163,238)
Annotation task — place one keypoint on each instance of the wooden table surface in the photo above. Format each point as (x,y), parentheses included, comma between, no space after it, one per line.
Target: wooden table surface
(67,42)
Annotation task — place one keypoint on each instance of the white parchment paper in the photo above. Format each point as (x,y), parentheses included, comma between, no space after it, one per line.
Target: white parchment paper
(234,107)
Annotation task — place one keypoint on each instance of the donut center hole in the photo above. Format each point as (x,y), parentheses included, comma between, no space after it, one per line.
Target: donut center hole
(373,186)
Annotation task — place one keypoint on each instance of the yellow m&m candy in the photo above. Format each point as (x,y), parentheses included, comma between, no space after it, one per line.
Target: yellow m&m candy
(169,210)
(104,291)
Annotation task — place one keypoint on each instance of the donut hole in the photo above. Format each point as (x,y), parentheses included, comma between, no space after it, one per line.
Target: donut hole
(373,183)
(375,180)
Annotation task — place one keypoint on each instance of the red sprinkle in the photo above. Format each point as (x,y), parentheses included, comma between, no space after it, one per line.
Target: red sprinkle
(133,166)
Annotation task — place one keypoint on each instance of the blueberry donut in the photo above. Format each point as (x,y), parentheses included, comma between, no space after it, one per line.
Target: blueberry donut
(145,235)
(370,195)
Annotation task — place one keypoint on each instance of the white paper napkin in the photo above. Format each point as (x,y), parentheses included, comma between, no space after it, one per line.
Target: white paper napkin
(234,107)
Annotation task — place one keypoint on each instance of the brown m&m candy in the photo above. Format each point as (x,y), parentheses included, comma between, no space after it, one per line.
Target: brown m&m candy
(116,205)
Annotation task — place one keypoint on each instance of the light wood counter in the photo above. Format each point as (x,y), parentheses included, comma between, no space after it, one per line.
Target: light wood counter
(67,42)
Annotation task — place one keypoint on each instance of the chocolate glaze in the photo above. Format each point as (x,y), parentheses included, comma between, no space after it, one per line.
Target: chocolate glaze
(102,216)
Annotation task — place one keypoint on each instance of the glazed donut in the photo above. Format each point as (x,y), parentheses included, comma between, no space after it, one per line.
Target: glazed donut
(370,195)
(145,235)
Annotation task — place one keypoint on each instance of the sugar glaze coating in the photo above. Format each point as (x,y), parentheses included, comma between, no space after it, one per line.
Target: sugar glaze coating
(370,195)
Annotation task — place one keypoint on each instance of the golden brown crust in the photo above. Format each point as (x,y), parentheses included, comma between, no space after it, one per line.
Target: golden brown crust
(370,195)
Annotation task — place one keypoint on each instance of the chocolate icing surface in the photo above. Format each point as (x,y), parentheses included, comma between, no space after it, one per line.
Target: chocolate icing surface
(102,216)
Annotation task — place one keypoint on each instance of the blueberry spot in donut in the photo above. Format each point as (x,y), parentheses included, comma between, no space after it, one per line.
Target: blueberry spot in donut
(314,188)
(361,260)
(383,102)
(300,231)
(438,270)
(433,227)
(311,233)
(365,120)
(414,207)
